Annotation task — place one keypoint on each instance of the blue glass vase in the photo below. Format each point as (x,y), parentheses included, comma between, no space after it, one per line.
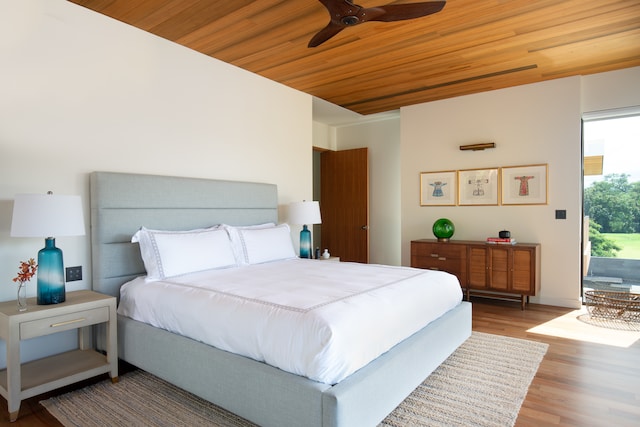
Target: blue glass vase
(50,288)
(305,242)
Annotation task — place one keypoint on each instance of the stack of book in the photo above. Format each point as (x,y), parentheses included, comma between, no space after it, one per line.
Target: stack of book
(501,240)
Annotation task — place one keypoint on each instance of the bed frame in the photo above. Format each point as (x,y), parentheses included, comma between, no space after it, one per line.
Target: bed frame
(121,203)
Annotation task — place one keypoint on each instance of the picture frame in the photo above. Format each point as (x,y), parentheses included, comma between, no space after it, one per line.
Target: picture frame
(525,185)
(438,188)
(478,187)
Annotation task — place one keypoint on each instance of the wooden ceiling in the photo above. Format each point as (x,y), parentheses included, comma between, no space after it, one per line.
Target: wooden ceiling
(470,46)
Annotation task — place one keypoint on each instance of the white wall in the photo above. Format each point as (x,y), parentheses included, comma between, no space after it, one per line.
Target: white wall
(538,123)
(530,124)
(612,90)
(81,92)
(382,137)
(324,136)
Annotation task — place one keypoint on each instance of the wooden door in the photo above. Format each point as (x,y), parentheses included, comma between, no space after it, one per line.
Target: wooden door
(344,203)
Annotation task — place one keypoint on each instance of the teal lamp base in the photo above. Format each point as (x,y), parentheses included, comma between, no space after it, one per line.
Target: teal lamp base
(50,287)
(443,229)
(305,242)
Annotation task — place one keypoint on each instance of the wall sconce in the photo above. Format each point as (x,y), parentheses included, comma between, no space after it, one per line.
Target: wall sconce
(478,147)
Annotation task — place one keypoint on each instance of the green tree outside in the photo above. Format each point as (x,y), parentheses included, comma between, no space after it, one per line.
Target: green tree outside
(614,204)
(601,245)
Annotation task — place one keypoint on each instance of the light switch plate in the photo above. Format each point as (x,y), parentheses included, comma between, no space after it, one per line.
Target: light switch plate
(561,214)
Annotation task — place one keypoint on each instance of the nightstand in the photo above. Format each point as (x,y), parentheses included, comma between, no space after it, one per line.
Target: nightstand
(80,311)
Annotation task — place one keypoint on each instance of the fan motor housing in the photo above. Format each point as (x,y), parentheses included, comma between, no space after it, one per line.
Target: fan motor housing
(350,20)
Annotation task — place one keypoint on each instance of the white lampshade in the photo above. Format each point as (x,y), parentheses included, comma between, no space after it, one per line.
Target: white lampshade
(47,215)
(304,213)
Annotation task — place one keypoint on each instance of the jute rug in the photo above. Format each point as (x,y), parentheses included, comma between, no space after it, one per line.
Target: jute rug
(483,383)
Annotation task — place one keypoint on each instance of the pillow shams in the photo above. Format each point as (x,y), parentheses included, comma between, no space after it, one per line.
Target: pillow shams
(236,241)
(172,253)
(266,244)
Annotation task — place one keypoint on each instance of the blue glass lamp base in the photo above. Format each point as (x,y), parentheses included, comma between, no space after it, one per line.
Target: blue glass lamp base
(305,242)
(50,287)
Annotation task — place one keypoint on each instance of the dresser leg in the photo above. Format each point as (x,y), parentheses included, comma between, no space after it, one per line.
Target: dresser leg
(115,380)
(13,416)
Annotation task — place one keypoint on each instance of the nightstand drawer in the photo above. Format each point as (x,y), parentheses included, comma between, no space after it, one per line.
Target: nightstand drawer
(63,322)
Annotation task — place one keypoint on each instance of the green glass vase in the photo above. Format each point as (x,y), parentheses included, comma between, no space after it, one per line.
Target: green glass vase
(443,229)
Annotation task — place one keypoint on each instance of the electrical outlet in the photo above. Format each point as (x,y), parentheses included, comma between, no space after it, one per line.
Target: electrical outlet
(74,273)
(561,214)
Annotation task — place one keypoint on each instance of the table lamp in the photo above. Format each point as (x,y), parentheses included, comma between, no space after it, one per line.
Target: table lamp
(305,213)
(48,215)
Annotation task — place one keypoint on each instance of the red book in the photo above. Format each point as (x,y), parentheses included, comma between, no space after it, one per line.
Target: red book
(501,240)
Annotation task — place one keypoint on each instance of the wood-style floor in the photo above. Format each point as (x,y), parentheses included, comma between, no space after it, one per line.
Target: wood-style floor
(579,383)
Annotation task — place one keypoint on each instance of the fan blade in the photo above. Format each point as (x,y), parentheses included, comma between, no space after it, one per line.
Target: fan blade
(401,12)
(325,34)
(345,13)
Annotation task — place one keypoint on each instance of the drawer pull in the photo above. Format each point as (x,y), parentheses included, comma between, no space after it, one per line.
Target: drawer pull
(442,258)
(434,255)
(434,268)
(68,322)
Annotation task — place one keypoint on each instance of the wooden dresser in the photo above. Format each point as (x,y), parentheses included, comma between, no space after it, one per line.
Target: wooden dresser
(489,270)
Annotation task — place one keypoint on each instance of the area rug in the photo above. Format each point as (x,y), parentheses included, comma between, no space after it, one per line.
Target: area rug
(483,383)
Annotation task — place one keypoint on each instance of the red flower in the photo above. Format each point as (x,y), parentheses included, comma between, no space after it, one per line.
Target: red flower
(26,271)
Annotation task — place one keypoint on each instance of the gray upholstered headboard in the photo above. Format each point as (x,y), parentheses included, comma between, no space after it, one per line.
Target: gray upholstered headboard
(121,203)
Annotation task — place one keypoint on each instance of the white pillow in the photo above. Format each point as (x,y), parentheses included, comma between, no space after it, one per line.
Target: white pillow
(172,253)
(236,242)
(267,244)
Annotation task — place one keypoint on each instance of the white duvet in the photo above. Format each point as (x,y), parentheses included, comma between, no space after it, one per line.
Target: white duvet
(320,319)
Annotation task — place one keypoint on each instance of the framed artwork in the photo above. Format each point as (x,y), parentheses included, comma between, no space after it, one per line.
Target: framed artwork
(438,188)
(478,187)
(525,185)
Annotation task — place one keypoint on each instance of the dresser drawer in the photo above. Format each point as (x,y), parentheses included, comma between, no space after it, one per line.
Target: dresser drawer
(450,265)
(63,322)
(438,251)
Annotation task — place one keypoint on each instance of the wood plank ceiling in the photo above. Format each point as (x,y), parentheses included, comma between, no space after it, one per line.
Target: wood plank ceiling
(470,46)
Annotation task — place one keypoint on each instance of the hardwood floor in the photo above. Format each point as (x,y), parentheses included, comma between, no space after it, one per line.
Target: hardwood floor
(579,383)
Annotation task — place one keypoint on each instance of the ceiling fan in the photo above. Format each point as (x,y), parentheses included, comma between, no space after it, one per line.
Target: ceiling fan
(344,14)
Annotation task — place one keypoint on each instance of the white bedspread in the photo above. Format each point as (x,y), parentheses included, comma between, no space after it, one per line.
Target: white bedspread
(320,319)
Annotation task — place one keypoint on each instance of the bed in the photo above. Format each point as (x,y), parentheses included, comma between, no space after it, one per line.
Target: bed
(268,396)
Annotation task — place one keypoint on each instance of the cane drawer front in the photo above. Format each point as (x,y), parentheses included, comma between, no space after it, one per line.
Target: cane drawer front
(524,276)
(63,322)
(478,267)
(500,268)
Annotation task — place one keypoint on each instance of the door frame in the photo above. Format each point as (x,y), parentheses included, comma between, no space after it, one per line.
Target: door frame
(616,113)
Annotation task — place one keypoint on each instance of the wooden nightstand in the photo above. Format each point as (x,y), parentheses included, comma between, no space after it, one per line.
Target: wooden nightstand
(81,310)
